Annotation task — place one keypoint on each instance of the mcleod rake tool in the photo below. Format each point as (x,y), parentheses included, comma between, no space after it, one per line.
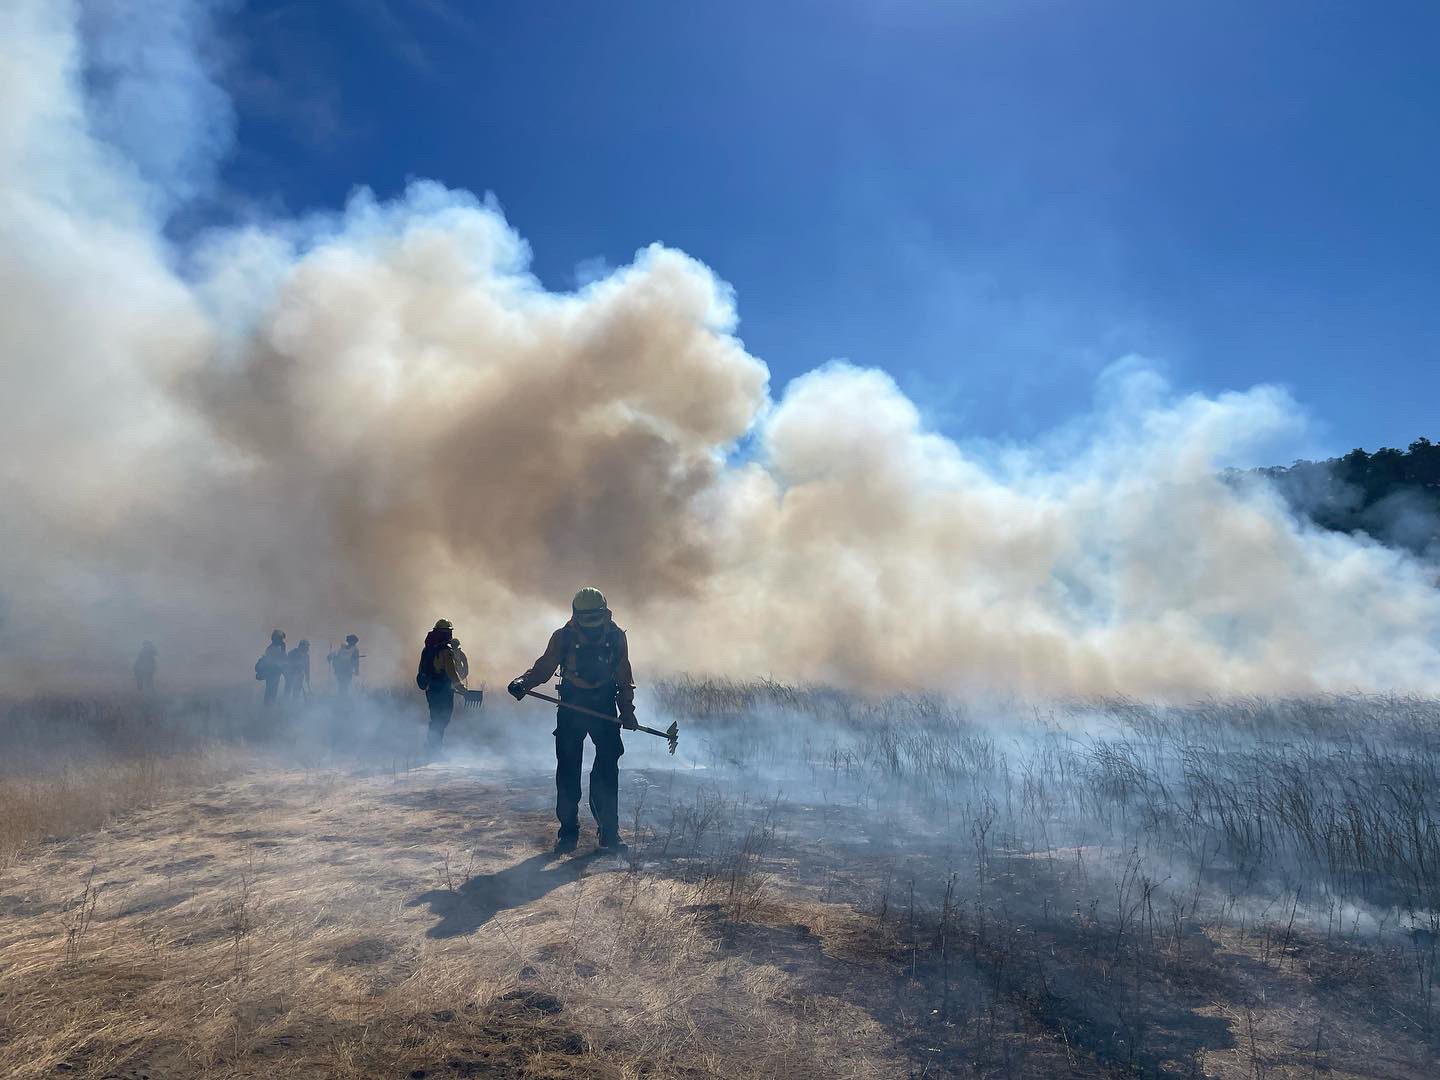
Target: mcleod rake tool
(671,734)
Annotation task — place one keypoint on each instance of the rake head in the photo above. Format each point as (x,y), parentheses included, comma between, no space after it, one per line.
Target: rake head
(671,734)
(474,698)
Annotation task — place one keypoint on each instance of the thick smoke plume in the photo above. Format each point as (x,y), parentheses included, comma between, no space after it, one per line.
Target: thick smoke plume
(363,421)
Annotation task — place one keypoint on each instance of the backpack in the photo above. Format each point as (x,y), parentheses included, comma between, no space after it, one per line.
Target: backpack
(271,663)
(425,674)
(592,662)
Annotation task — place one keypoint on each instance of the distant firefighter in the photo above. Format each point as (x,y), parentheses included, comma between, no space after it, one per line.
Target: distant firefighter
(439,676)
(145,665)
(593,658)
(462,662)
(297,670)
(345,663)
(271,665)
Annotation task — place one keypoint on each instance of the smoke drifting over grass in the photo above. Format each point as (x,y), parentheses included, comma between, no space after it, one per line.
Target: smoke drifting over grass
(363,420)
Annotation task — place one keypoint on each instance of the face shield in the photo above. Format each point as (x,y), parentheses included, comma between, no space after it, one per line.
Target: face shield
(592,619)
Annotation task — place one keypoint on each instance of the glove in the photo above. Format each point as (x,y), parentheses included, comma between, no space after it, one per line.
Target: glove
(629,723)
(517,689)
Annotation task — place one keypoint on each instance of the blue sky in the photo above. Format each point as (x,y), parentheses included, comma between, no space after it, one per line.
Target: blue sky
(992,200)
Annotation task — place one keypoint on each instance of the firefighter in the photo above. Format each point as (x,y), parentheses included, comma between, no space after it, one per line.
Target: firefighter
(297,670)
(438,676)
(271,665)
(462,662)
(593,659)
(345,663)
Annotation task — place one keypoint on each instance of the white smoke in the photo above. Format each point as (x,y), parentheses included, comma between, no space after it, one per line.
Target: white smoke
(364,421)
(150,92)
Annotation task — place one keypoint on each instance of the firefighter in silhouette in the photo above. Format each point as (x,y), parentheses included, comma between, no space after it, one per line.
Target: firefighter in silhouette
(345,663)
(438,676)
(145,664)
(297,670)
(272,664)
(593,659)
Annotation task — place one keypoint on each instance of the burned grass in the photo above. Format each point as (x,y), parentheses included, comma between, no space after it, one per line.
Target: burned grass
(1224,889)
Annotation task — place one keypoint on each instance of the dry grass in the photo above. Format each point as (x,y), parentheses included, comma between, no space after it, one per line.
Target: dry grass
(380,927)
(75,799)
(67,766)
(826,887)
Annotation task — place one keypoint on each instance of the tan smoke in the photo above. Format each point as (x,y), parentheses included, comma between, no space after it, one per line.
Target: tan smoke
(367,421)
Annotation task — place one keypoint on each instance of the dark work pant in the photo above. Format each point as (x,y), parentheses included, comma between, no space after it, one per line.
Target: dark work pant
(571,728)
(272,684)
(442,707)
(342,685)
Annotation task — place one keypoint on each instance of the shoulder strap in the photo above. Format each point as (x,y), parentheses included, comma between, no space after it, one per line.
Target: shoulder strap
(568,643)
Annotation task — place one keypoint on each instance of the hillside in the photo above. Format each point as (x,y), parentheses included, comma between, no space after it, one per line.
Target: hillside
(1391,495)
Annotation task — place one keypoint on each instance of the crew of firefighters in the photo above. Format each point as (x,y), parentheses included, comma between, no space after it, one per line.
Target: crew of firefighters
(286,672)
(597,699)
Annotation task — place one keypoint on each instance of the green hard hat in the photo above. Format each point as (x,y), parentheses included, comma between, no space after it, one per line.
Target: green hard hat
(444,624)
(588,599)
(590,607)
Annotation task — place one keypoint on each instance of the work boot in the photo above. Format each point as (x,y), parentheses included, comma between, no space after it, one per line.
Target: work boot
(565,842)
(612,844)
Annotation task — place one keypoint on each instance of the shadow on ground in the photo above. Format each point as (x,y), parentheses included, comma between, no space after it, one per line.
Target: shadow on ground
(473,904)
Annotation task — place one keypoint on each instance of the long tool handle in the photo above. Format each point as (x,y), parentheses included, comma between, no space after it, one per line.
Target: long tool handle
(671,736)
(582,709)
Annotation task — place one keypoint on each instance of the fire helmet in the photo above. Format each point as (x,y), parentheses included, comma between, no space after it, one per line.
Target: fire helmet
(589,607)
